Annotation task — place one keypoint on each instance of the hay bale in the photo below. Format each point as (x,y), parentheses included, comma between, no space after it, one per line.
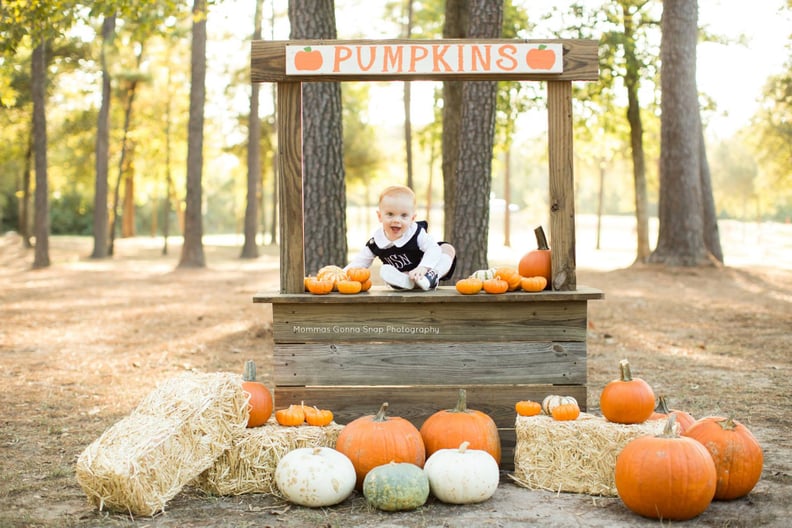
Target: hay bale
(174,434)
(249,466)
(576,456)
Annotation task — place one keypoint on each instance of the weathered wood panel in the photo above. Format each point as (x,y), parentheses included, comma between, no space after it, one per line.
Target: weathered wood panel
(430,363)
(541,321)
(562,185)
(268,62)
(418,403)
(292,258)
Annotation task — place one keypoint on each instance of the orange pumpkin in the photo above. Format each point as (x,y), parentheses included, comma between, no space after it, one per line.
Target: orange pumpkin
(317,416)
(510,275)
(566,411)
(293,415)
(358,274)
(348,286)
(683,419)
(365,286)
(627,400)
(537,263)
(469,286)
(374,440)
(528,408)
(495,285)
(737,454)
(666,477)
(447,429)
(318,286)
(331,272)
(260,402)
(533,284)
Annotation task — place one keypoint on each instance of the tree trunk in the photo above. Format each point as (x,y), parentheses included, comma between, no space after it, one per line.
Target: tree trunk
(250,247)
(711,232)
(102,161)
(474,166)
(324,187)
(456,25)
(24,207)
(128,209)
(192,255)
(681,236)
(632,81)
(123,164)
(507,197)
(41,219)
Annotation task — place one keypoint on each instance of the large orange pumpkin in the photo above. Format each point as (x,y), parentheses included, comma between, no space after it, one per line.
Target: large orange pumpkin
(447,429)
(627,400)
(374,440)
(260,402)
(666,477)
(737,454)
(537,263)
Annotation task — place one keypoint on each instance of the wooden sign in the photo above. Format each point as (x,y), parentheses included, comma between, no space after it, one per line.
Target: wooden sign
(425,58)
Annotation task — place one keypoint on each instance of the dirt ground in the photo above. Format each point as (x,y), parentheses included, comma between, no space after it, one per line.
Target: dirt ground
(82,341)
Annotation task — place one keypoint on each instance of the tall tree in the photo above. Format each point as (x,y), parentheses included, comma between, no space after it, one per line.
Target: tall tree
(102,161)
(192,255)
(473,174)
(681,237)
(38,79)
(250,248)
(324,186)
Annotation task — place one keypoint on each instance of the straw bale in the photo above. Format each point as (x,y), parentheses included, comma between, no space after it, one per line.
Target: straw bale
(249,466)
(175,433)
(576,456)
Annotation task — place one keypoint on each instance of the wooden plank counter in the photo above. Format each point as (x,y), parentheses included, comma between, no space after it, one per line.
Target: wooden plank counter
(415,349)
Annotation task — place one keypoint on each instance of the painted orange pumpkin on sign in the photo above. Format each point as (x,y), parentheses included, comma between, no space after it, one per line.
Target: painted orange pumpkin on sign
(308,59)
(540,58)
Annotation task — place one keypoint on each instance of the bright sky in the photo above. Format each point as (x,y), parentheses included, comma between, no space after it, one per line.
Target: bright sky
(733,75)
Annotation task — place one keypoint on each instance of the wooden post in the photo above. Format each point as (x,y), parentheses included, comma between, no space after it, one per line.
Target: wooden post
(292,251)
(562,185)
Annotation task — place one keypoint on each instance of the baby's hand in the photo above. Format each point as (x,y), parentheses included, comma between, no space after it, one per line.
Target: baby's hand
(417,273)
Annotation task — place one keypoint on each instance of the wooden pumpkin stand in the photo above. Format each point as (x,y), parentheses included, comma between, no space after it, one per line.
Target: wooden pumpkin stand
(415,349)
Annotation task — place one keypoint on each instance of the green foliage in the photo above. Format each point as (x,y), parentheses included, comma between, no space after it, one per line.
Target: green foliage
(71,214)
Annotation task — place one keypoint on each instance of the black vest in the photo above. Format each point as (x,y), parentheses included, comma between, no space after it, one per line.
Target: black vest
(403,258)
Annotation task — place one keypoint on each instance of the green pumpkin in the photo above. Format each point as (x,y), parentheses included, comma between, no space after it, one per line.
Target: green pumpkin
(398,486)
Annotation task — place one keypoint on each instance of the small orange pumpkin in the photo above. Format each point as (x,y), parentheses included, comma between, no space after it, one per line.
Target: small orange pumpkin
(510,275)
(260,402)
(737,454)
(293,415)
(528,408)
(533,284)
(495,285)
(469,286)
(318,286)
(627,400)
(348,286)
(539,261)
(683,419)
(317,416)
(358,274)
(365,286)
(566,411)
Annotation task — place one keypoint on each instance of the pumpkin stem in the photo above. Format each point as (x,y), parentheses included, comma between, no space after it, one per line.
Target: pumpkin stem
(381,417)
(541,239)
(463,446)
(728,424)
(624,368)
(662,406)
(461,405)
(250,371)
(668,431)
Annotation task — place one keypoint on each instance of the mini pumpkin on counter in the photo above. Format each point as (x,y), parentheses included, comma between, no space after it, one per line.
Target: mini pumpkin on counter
(358,274)
(348,286)
(318,286)
(510,275)
(469,286)
(533,284)
(496,286)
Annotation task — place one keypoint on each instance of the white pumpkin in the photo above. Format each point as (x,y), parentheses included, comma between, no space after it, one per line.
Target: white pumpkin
(462,476)
(484,274)
(554,400)
(315,476)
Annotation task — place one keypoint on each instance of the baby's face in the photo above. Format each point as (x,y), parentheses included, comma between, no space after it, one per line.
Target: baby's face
(396,214)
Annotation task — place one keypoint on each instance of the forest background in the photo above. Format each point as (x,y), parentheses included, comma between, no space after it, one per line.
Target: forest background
(150,71)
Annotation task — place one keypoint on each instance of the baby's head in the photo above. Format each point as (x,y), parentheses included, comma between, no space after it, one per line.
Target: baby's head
(396,210)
